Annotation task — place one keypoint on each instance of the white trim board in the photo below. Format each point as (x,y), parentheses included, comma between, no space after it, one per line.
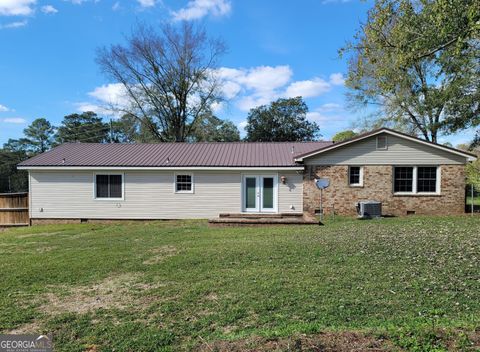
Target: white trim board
(191,191)
(186,168)
(259,190)
(105,199)
(415,192)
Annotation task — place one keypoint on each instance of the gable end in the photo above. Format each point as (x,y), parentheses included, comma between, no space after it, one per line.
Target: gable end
(401,149)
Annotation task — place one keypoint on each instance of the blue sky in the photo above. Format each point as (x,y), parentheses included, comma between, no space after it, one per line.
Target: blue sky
(276,48)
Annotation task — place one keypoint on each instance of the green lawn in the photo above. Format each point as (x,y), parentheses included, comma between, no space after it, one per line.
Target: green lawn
(476,200)
(410,284)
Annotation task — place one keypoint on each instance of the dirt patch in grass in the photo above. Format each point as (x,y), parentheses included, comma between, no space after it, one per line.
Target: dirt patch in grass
(115,292)
(160,254)
(212,297)
(39,247)
(328,341)
(46,249)
(462,341)
(42,234)
(474,338)
(112,292)
(30,328)
(438,339)
(8,245)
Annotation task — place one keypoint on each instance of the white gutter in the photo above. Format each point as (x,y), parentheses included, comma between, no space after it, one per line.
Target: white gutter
(201,168)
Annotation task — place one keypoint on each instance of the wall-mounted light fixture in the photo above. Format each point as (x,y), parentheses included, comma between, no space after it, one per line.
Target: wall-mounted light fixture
(283,179)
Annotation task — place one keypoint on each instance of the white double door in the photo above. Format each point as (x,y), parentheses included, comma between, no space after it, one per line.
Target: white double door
(260,193)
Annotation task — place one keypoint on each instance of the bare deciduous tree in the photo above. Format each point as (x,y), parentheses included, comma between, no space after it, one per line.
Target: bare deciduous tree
(168,77)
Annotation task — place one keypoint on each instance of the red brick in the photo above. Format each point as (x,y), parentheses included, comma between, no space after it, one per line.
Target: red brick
(377,185)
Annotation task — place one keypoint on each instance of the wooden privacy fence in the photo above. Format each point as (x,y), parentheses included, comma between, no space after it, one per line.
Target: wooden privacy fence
(14,209)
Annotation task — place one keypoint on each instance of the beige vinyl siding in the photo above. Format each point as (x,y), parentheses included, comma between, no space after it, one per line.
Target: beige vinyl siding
(290,194)
(400,151)
(147,195)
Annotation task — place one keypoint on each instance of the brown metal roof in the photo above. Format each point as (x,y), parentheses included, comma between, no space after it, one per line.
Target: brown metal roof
(239,154)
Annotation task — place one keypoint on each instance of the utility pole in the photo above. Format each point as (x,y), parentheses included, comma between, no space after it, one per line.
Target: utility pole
(111,131)
(472,197)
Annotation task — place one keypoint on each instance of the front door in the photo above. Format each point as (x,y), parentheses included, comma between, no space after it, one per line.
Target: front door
(260,193)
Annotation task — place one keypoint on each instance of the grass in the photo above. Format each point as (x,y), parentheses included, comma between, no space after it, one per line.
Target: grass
(410,283)
(476,200)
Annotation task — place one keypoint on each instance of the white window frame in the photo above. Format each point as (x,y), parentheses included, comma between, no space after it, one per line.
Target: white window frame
(175,182)
(360,184)
(108,173)
(386,142)
(258,209)
(415,181)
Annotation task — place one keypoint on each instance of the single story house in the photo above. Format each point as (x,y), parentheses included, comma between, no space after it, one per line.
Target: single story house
(201,180)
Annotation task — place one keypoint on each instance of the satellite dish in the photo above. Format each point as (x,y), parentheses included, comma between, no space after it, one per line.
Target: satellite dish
(322,183)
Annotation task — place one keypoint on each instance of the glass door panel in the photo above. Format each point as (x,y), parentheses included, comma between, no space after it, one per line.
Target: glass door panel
(267,193)
(251,193)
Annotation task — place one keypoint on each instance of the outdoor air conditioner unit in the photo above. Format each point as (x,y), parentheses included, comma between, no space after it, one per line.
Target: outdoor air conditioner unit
(369,209)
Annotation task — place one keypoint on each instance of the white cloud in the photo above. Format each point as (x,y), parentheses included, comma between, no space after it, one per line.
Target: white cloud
(251,87)
(87,106)
(49,9)
(241,125)
(330,107)
(231,89)
(116,6)
(107,99)
(337,79)
(246,88)
(329,119)
(325,120)
(217,107)
(112,93)
(98,109)
(146,3)
(267,78)
(78,2)
(196,9)
(16,7)
(308,88)
(317,116)
(3,108)
(325,2)
(15,120)
(249,102)
(16,24)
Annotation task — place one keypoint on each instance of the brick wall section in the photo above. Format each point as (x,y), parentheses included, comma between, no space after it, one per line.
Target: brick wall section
(377,185)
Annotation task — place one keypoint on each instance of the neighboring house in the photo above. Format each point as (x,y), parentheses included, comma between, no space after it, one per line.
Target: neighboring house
(179,180)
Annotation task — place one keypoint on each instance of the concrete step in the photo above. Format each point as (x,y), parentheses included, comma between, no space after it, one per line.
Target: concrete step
(260,215)
(263,221)
(14,225)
